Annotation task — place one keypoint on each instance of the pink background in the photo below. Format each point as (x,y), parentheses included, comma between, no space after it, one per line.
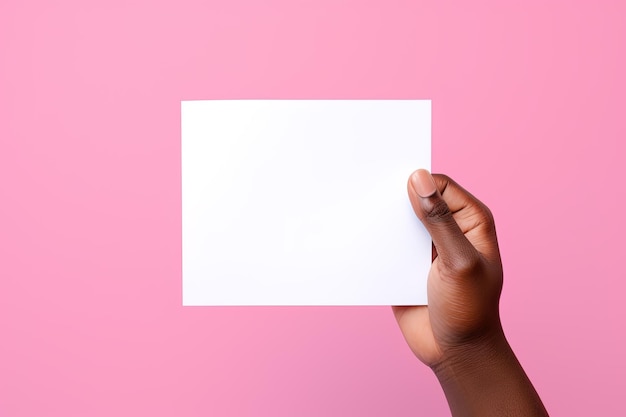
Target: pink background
(528,113)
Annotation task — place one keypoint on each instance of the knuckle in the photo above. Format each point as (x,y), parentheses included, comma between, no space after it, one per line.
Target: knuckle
(438,211)
(465,265)
(488,214)
(487,218)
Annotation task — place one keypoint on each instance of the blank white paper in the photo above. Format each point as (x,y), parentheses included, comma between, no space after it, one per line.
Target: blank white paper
(303,202)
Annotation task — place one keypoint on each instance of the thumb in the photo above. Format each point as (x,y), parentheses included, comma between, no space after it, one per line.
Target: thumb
(453,248)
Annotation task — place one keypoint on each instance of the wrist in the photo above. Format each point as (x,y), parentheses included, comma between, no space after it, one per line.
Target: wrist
(480,356)
(484,378)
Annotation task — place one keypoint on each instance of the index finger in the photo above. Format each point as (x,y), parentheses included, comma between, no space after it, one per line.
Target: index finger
(472,215)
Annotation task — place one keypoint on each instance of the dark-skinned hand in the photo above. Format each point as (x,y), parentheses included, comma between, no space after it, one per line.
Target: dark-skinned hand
(465,278)
(459,334)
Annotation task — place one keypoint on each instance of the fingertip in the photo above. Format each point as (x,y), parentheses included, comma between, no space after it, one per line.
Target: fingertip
(423,183)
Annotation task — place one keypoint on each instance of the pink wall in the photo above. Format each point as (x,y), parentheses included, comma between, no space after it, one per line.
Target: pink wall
(528,113)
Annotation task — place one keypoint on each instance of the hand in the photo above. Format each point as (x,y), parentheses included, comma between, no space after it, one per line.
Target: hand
(465,278)
(459,334)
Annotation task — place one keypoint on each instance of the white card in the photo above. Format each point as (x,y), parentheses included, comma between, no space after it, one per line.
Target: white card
(303,202)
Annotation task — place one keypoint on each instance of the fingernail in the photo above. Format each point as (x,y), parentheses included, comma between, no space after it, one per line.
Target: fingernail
(423,183)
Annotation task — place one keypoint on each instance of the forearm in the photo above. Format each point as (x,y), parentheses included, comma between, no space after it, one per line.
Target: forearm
(486,379)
